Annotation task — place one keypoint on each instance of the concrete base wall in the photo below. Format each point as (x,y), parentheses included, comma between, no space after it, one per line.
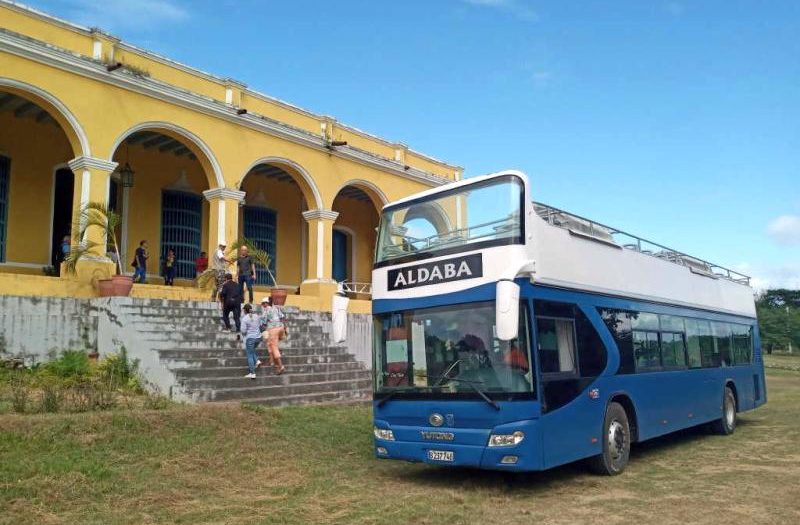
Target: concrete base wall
(38,329)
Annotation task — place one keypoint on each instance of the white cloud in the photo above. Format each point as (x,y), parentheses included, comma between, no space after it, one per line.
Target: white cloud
(513,7)
(785,230)
(766,277)
(134,15)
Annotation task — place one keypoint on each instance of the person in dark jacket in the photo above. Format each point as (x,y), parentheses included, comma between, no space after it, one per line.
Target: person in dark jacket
(230,297)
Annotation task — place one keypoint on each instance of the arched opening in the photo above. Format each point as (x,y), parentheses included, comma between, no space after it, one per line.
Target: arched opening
(354,231)
(277,192)
(36,185)
(165,205)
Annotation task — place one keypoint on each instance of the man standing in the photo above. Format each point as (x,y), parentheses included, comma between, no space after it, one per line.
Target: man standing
(220,265)
(247,272)
(140,262)
(230,297)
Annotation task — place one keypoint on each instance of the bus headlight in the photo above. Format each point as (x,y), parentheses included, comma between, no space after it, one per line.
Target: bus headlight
(383,433)
(506,440)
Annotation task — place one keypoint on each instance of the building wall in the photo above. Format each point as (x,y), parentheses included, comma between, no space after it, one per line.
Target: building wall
(35,150)
(154,172)
(359,218)
(288,202)
(77,39)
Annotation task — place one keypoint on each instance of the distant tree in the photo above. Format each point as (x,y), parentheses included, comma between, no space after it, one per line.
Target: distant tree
(779,319)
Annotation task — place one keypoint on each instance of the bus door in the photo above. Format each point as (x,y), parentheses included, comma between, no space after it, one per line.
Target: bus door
(570,357)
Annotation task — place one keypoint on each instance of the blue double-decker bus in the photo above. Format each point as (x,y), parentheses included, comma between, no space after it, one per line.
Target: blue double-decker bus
(511,335)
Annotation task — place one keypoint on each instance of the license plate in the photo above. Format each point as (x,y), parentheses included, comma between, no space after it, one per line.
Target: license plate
(440,455)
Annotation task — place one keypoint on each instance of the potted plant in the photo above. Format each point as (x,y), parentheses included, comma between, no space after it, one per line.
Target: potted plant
(97,215)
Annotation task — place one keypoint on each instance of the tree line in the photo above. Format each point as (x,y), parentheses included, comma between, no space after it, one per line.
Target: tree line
(779,320)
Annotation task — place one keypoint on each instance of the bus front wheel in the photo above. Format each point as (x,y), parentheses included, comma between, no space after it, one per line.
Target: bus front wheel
(727,423)
(616,442)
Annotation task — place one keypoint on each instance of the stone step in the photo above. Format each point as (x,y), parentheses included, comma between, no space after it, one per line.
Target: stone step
(327,398)
(291,368)
(269,378)
(183,353)
(216,329)
(256,392)
(225,344)
(241,362)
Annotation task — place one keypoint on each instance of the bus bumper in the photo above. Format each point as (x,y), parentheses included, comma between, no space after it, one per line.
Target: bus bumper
(468,447)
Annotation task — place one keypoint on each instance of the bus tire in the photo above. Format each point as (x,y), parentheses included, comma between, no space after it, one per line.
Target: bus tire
(727,423)
(616,442)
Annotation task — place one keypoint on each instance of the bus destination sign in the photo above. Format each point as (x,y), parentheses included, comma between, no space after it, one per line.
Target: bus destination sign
(445,271)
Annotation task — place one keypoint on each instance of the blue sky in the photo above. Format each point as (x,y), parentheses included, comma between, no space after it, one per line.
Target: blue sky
(675,120)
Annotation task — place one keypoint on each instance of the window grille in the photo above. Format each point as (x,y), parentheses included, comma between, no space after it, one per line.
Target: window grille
(260,226)
(181,230)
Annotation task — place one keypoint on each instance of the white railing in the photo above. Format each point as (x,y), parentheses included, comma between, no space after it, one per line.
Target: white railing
(587,227)
(351,287)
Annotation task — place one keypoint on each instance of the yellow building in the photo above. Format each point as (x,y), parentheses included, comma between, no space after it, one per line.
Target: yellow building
(212,160)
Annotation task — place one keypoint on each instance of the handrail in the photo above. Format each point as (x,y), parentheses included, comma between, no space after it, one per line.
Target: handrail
(551,215)
(356,288)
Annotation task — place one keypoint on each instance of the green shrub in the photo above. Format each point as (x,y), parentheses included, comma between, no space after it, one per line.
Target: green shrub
(19,394)
(119,371)
(52,396)
(73,364)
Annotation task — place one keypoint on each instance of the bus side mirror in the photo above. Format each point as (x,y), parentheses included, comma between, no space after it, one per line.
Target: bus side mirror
(339,318)
(507,310)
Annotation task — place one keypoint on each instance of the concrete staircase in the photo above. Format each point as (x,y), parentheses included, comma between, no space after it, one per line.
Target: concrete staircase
(208,363)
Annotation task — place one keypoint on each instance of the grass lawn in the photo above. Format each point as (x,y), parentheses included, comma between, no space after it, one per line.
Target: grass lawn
(229,464)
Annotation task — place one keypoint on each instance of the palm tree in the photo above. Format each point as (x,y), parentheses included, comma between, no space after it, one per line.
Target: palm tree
(92,215)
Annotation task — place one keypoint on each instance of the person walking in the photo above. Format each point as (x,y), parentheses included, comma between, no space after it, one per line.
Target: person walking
(140,262)
(230,298)
(246,268)
(169,268)
(272,317)
(220,265)
(251,333)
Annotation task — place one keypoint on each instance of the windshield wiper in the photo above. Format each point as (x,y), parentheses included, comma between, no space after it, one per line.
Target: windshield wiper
(480,393)
(387,397)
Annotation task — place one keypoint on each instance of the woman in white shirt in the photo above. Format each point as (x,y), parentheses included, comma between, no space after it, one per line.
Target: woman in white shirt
(251,333)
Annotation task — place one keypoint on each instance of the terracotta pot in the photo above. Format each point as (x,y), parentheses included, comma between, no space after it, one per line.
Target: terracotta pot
(93,357)
(105,287)
(122,285)
(278,296)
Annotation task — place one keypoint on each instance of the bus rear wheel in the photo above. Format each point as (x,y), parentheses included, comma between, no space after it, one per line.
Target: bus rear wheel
(727,423)
(616,442)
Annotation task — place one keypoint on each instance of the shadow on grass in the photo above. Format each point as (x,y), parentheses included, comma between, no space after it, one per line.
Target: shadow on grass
(532,482)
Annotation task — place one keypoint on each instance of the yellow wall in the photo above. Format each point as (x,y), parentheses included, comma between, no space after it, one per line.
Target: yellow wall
(35,150)
(106,113)
(287,201)
(154,172)
(361,218)
(79,40)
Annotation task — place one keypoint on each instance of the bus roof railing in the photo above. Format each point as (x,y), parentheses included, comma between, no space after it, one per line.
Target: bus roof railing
(587,227)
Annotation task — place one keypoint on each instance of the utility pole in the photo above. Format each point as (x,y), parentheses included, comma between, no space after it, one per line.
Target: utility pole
(788,333)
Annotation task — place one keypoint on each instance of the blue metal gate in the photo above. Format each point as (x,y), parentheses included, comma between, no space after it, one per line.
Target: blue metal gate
(260,226)
(5,175)
(181,219)
(339,256)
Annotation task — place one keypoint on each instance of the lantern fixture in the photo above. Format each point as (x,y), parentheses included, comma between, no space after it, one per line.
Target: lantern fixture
(126,173)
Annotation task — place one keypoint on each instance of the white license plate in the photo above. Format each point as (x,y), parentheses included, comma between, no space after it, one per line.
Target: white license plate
(440,455)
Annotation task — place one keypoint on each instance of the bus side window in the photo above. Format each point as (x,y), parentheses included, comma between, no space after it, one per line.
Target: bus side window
(722,337)
(693,334)
(556,343)
(618,323)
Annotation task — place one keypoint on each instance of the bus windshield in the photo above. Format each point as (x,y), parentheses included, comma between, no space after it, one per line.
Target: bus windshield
(449,350)
(470,217)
